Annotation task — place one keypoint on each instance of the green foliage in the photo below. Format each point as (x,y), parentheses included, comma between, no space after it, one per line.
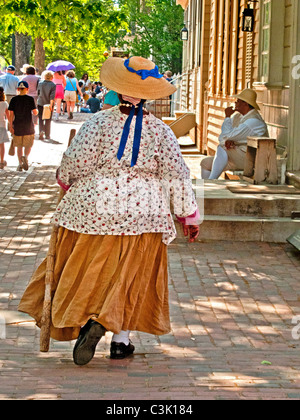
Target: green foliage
(81,30)
(155,31)
(76,30)
(5,46)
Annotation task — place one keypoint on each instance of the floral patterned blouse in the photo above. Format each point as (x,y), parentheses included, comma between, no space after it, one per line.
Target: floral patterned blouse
(108,196)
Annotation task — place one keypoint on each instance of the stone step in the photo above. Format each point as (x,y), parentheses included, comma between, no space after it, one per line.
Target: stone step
(244,217)
(245,229)
(219,201)
(293,178)
(256,207)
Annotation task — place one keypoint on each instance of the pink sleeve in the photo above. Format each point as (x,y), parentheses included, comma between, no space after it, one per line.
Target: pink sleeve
(190,220)
(60,183)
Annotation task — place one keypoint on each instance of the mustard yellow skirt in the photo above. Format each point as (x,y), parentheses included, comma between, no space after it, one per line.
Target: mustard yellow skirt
(120,281)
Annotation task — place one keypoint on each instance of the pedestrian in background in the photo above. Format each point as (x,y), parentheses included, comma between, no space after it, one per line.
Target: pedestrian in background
(92,105)
(21,109)
(4,114)
(33,80)
(46,96)
(86,86)
(60,81)
(23,69)
(10,83)
(72,87)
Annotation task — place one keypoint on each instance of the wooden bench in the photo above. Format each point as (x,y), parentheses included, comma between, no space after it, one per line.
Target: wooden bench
(261,161)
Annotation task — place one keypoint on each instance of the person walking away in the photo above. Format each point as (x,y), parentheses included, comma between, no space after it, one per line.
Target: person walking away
(33,80)
(115,221)
(23,70)
(46,96)
(21,109)
(10,83)
(92,105)
(168,76)
(86,86)
(240,122)
(4,115)
(60,81)
(72,87)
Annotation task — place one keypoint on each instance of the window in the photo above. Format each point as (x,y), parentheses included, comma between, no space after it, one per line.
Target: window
(272,42)
(266,18)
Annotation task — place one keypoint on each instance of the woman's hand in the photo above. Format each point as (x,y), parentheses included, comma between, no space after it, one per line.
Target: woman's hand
(192,231)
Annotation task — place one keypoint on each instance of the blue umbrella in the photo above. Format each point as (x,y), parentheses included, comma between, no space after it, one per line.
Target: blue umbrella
(60,65)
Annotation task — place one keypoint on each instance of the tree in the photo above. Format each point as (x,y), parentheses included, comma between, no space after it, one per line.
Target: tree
(62,24)
(155,31)
(5,46)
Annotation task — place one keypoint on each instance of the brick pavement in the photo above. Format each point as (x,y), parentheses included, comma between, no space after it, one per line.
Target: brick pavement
(232,306)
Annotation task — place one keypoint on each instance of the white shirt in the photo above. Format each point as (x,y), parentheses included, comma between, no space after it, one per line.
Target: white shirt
(239,127)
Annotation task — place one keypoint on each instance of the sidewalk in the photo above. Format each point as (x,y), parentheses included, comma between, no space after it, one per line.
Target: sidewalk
(232,306)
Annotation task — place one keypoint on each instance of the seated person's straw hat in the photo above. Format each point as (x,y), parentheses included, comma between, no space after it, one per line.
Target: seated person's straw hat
(136,77)
(249,96)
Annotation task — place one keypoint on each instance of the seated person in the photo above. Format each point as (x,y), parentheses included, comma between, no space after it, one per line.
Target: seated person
(240,123)
(98,87)
(92,105)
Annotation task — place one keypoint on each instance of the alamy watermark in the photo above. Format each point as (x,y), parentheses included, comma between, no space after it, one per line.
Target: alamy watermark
(296,68)
(2,327)
(296,329)
(148,197)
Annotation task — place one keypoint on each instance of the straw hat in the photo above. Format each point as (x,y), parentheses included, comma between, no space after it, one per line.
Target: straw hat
(249,96)
(25,66)
(136,77)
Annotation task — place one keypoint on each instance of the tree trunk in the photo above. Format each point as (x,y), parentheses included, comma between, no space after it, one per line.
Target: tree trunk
(22,51)
(39,58)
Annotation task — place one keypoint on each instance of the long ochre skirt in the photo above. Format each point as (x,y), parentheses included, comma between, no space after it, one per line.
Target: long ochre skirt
(120,281)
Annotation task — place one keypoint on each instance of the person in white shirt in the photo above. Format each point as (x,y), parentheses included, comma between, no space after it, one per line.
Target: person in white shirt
(240,123)
(10,83)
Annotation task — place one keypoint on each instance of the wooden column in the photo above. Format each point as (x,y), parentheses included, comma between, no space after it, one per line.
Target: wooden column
(294,120)
(234,46)
(219,65)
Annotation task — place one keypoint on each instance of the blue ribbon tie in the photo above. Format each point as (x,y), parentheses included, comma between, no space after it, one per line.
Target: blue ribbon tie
(137,134)
(144,73)
(125,133)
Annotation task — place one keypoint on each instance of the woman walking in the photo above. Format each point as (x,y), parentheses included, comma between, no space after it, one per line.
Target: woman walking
(46,96)
(115,221)
(4,115)
(60,81)
(71,89)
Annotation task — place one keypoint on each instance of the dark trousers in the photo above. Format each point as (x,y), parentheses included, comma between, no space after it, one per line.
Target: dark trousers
(44,125)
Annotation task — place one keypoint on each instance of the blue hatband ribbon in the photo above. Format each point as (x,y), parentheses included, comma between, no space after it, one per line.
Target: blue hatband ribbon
(144,73)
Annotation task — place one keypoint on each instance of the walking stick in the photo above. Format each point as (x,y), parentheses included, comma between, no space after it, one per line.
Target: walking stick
(46,315)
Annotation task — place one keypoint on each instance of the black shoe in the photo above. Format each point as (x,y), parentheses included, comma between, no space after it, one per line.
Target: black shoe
(87,341)
(120,350)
